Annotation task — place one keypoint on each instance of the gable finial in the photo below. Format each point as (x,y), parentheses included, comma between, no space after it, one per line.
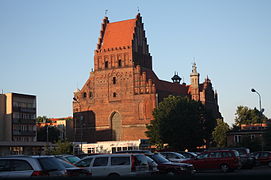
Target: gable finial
(137,9)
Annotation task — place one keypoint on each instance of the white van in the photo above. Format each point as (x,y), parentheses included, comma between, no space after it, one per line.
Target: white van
(115,164)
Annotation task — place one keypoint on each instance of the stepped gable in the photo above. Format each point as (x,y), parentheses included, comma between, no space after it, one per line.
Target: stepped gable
(118,34)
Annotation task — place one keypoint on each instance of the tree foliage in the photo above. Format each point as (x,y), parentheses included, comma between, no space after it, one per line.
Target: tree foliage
(244,115)
(219,134)
(181,123)
(43,119)
(64,147)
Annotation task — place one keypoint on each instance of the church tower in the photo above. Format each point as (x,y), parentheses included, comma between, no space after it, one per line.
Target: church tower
(118,98)
(194,78)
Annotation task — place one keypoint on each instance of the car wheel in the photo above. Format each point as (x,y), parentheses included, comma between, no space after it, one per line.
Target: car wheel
(225,168)
(114,175)
(171,173)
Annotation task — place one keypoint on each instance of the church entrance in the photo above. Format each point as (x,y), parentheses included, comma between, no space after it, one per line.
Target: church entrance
(116,126)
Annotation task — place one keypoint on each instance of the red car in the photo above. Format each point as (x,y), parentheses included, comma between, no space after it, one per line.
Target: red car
(263,158)
(225,160)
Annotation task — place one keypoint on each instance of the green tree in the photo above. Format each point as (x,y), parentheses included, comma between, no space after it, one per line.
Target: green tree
(181,123)
(64,147)
(43,119)
(244,115)
(53,134)
(219,133)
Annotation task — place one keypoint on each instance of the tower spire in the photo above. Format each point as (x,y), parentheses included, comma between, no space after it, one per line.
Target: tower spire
(105,12)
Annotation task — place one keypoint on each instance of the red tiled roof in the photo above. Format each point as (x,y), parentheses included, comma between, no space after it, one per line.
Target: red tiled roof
(119,34)
(162,85)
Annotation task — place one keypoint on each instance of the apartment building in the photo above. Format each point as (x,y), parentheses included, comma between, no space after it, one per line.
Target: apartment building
(18,131)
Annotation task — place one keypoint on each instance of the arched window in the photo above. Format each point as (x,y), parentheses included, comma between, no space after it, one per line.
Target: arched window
(90,94)
(119,62)
(114,94)
(85,95)
(114,80)
(106,64)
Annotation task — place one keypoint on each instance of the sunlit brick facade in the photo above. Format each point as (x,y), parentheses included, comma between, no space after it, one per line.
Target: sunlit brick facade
(117,100)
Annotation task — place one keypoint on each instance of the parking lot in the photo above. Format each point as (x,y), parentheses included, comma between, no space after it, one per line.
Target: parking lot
(256,171)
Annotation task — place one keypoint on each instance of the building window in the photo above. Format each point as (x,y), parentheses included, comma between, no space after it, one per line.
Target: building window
(106,64)
(119,62)
(114,80)
(114,94)
(237,138)
(90,94)
(252,137)
(84,94)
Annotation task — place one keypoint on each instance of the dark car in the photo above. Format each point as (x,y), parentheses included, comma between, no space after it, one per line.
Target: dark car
(188,155)
(135,151)
(68,157)
(73,170)
(247,160)
(167,167)
(174,156)
(262,158)
(225,160)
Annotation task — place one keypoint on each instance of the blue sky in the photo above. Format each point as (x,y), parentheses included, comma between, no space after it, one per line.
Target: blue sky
(46,47)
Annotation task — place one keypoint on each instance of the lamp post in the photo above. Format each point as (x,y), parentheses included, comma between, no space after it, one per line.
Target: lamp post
(261,111)
(81,120)
(253,90)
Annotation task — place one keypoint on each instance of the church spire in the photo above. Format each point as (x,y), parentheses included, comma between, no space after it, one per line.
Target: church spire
(194,78)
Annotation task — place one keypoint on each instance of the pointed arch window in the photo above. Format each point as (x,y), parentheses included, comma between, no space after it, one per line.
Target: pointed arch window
(114,80)
(106,64)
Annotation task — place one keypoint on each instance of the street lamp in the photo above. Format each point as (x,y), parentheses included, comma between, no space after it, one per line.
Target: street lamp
(261,111)
(81,120)
(253,90)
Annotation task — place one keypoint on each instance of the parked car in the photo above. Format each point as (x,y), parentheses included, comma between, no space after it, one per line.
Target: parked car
(167,167)
(225,160)
(187,155)
(246,159)
(153,166)
(135,151)
(27,166)
(126,164)
(68,157)
(262,158)
(174,156)
(81,156)
(73,170)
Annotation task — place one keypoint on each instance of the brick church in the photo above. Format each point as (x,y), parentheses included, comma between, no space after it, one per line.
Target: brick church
(117,100)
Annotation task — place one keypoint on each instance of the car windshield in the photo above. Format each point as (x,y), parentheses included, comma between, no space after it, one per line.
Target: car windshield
(242,151)
(72,159)
(159,158)
(50,164)
(66,164)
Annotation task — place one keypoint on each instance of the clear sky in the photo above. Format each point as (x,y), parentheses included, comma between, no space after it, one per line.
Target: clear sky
(47,46)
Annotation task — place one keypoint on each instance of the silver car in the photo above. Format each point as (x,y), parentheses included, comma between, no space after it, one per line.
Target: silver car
(27,166)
